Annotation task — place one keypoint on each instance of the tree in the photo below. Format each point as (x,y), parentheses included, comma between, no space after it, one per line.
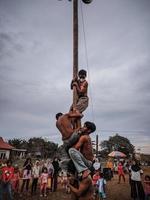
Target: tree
(18,143)
(46,148)
(118,143)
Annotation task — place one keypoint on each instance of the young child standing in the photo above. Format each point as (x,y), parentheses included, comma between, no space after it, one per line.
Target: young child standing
(95,178)
(147,187)
(16,179)
(120,172)
(101,183)
(43,182)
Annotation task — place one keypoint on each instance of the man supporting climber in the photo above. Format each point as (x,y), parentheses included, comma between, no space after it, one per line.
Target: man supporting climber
(69,135)
(81,189)
(82,152)
(82,156)
(64,124)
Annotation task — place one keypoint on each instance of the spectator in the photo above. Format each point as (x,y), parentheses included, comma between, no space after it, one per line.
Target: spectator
(101,183)
(7,176)
(120,172)
(50,169)
(96,164)
(137,191)
(64,181)
(35,175)
(1,166)
(147,187)
(110,166)
(16,179)
(27,167)
(95,178)
(43,182)
(55,164)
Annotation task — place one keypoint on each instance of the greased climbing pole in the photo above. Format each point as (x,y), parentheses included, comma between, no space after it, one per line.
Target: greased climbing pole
(75,54)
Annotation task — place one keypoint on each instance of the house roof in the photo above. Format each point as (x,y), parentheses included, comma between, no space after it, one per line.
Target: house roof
(5,145)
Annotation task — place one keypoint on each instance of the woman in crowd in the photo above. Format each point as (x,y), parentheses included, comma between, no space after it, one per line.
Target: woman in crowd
(137,191)
(35,175)
(27,168)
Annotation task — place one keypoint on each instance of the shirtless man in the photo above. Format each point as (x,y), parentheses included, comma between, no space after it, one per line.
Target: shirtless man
(85,190)
(69,135)
(64,125)
(81,86)
(82,154)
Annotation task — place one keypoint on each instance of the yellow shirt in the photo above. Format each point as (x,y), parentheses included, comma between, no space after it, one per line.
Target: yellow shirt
(109,164)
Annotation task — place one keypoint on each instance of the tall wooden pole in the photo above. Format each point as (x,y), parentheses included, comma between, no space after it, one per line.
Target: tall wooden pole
(75,48)
(96,145)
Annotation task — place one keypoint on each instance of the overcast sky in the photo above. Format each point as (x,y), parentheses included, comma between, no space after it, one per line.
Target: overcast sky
(36,67)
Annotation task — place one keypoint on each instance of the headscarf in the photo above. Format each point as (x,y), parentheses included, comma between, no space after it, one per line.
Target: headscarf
(135,167)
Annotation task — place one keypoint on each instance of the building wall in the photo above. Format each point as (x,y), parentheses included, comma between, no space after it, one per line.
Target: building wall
(4,154)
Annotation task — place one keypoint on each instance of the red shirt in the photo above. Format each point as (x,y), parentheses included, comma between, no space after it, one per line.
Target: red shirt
(120,170)
(95,178)
(7,173)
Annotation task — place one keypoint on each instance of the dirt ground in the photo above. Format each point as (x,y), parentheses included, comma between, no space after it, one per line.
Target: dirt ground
(115,191)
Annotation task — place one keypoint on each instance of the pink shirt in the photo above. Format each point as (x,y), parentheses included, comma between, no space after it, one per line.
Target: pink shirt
(120,170)
(44,178)
(147,188)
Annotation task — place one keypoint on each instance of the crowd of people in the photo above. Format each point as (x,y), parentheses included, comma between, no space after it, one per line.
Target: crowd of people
(15,180)
(42,177)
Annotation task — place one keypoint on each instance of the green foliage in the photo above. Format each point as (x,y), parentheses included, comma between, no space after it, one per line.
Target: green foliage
(18,143)
(118,143)
(35,145)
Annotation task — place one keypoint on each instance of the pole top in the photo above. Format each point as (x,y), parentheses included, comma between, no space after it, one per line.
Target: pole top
(84,1)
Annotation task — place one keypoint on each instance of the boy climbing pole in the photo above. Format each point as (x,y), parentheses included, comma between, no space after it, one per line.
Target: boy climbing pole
(81,85)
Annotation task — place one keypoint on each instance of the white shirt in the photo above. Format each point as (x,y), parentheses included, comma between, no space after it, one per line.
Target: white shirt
(96,165)
(136,176)
(101,182)
(36,171)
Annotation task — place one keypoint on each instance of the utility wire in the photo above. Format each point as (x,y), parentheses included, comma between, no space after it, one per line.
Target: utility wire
(87,62)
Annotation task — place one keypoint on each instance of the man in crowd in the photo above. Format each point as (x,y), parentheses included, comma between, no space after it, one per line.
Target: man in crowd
(6,178)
